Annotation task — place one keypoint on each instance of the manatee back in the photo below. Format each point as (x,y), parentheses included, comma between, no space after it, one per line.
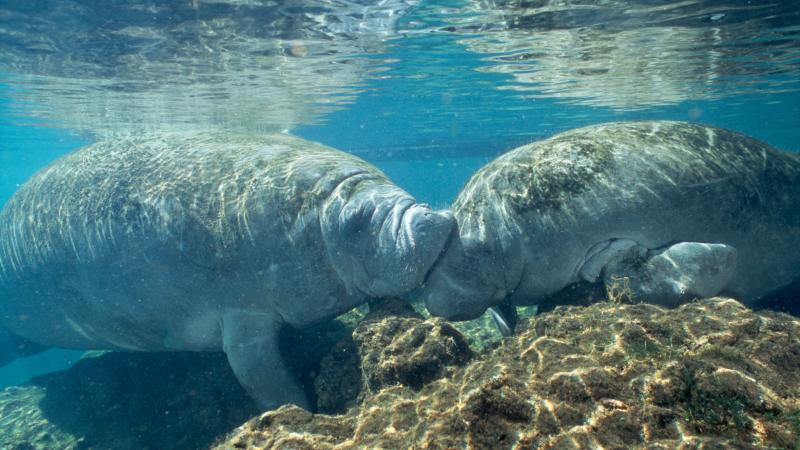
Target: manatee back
(161,188)
(590,169)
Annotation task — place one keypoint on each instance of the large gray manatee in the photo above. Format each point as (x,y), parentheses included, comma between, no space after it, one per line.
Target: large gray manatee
(676,210)
(206,242)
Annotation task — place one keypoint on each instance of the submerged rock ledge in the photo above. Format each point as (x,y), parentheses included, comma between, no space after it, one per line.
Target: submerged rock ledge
(710,374)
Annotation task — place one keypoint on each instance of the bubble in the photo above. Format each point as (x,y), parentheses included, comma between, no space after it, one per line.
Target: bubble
(694,113)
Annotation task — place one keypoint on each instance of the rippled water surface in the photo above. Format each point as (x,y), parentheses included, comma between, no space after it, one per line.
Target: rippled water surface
(398,76)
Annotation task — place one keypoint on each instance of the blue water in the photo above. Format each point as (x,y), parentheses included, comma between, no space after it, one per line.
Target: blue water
(24,151)
(430,111)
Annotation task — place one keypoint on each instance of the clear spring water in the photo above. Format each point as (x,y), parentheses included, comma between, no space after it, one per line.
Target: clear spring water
(427,90)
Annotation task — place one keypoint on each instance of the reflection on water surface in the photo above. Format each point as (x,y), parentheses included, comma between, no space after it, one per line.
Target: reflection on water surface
(267,65)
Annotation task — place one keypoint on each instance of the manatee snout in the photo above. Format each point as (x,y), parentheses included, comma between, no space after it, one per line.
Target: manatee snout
(447,297)
(430,229)
(460,285)
(420,239)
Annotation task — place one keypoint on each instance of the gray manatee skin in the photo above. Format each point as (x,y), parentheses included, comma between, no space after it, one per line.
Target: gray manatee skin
(207,242)
(544,215)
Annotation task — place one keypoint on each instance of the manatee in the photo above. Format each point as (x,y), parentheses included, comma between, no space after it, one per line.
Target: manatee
(206,242)
(674,210)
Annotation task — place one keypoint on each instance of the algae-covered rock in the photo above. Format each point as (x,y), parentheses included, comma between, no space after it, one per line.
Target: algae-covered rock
(25,427)
(339,380)
(408,351)
(710,374)
(391,344)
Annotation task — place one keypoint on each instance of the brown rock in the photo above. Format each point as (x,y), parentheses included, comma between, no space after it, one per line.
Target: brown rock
(408,351)
(710,374)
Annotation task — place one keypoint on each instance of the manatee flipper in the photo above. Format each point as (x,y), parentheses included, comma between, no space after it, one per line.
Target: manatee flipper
(504,315)
(13,347)
(250,340)
(599,256)
(673,274)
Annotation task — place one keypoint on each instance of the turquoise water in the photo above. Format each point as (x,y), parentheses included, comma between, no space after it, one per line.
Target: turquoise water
(428,91)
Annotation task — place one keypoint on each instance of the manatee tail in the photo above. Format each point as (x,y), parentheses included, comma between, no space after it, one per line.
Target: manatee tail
(13,347)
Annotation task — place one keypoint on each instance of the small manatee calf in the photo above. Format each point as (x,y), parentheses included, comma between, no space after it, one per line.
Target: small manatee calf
(205,242)
(672,209)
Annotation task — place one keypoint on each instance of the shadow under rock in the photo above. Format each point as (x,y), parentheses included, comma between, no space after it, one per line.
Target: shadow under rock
(786,299)
(176,400)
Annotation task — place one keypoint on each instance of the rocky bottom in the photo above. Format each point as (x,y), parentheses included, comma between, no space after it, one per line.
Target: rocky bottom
(710,374)
(140,401)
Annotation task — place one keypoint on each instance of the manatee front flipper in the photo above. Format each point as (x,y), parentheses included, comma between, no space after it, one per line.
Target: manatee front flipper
(505,317)
(666,276)
(674,274)
(250,341)
(13,347)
